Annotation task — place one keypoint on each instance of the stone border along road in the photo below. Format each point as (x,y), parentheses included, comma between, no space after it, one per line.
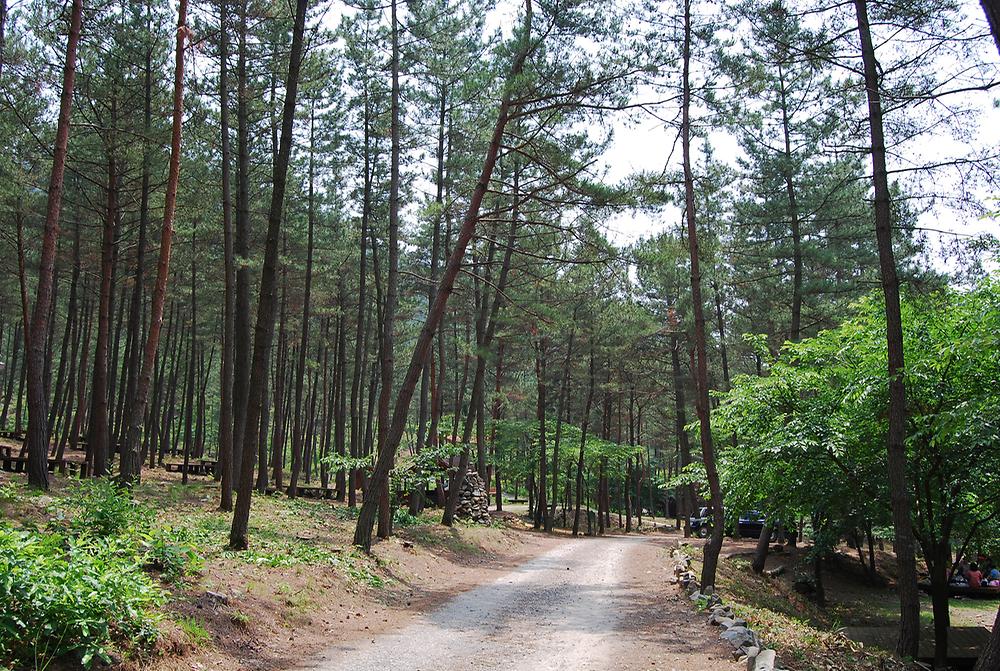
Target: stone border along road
(581,606)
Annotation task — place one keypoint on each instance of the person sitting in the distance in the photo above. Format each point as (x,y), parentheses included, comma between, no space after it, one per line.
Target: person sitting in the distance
(958,578)
(974,576)
(994,578)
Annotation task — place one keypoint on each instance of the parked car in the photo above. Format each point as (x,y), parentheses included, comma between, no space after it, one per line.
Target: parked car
(701,523)
(751,524)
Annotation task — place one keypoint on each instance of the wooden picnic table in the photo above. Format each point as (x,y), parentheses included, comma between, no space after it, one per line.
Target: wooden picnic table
(15,463)
(309,491)
(191,468)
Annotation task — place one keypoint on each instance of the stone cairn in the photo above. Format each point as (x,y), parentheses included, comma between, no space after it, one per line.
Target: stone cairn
(747,646)
(473,500)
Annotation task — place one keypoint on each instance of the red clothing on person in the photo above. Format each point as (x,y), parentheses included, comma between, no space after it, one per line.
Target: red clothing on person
(975,578)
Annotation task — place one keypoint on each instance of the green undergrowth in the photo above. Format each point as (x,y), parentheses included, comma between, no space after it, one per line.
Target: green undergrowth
(86,572)
(283,532)
(806,637)
(84,586)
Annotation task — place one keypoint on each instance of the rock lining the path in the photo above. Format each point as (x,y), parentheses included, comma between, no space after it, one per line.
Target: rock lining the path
(734,630)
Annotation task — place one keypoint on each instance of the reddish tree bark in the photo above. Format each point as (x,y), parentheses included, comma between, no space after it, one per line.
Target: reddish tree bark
(131,458)
(38,439)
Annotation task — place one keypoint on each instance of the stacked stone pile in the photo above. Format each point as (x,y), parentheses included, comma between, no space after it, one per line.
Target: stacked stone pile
(473,500)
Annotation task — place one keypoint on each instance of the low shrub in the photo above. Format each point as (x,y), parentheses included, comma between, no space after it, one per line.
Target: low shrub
(61,596)
(100,508)
(402,518)
(169,553)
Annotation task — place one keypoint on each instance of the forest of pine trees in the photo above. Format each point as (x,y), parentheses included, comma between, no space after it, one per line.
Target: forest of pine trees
(373,247)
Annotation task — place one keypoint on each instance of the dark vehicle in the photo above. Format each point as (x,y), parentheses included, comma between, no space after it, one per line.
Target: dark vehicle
(751,524)
(701,524)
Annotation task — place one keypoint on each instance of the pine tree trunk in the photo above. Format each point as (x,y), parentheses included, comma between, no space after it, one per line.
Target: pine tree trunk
(686,494)
(714,546)
(360,350)
(388,359)
(189,417)
(264,330)
(561,407)
(131,462)
(37,441)
(909,599)
(225,465)
(98,428)
(278,437)
(421,351)
(583,444)
(71,329)
(542,518)
(340,427)
(298,431)
(242,315)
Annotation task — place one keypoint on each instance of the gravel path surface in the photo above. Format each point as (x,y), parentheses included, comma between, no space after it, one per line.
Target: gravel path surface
(578,607)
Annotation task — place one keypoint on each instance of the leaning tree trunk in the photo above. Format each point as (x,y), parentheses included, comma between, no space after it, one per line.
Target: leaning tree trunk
(264,329)
(760,552)
(131,458)
(37,442)
(909,599)
(383,464)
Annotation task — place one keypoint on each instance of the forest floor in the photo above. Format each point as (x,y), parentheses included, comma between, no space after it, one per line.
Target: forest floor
(857,618)
(301,595)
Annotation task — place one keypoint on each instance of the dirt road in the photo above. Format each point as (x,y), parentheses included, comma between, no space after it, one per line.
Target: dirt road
(594,603)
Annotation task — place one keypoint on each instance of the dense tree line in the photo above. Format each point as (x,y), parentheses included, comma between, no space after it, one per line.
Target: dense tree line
(363,245)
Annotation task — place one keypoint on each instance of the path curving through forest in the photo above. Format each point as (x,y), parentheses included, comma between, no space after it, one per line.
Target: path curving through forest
(594,603)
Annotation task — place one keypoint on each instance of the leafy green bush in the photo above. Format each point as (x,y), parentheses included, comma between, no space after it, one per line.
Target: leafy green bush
(61,596)
(8,492)
(403,518)
(168,552)
(100,508)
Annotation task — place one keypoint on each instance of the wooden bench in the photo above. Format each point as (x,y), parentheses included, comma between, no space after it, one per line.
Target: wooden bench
(309,491)
(18,464)
(191,469)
